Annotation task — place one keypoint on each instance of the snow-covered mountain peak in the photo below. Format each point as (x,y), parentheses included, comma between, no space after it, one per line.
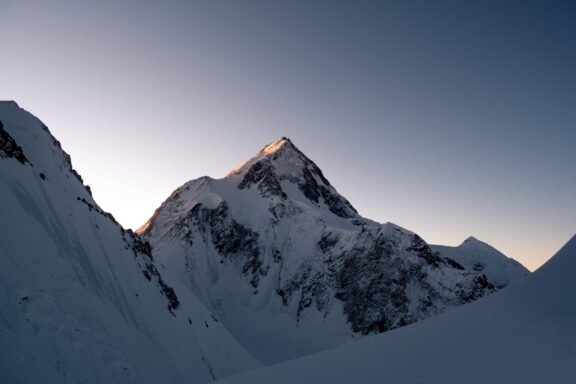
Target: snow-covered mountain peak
(282,153)
(273,246)
(280,171)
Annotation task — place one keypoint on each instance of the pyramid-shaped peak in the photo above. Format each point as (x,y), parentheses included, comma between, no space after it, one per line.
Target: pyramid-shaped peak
(282,152)
(280,163)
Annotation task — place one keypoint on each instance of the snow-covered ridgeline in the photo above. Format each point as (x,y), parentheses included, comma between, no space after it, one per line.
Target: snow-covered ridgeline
(81,299)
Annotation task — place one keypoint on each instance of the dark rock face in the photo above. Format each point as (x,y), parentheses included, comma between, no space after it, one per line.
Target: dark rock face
(433,258)
(232,240)
(149,270)
(337,205)
(423,250)
(263,175)
(479,287)
(327,242)
(314,192)
(377,300)
(307,286)
(374,281)
(8,147)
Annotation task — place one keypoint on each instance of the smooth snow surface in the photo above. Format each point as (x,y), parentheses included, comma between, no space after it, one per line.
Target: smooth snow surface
(524,334)
(81,300)
(475,255)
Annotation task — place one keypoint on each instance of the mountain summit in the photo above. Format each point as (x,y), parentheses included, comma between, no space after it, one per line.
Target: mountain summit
(280,162)
(281,147)
(290,267)
(281,152)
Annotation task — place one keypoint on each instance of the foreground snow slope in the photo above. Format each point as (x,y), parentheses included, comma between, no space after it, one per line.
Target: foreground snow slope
(524,334)
(288,264)
(81,299)
(476,255)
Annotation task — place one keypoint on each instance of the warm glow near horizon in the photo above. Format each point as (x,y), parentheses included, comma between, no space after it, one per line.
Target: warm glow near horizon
(450,121)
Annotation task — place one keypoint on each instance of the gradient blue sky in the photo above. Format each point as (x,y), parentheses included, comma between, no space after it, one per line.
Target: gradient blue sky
(450,118)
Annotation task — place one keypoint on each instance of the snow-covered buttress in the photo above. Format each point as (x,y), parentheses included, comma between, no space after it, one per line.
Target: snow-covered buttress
(81,299)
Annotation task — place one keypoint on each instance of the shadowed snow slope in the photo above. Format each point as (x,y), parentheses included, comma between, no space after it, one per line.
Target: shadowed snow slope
(288,264)
(476,255)
(523,334)
(81,299)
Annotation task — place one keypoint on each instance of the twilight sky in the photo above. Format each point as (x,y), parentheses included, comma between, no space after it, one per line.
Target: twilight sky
(449,118)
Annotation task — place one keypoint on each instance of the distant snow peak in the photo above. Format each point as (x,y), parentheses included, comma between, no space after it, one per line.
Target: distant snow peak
(476,255)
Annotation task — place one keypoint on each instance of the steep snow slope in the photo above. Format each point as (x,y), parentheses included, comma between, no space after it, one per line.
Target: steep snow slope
(289,265)
(81,299)
(523,334)
(476,255)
